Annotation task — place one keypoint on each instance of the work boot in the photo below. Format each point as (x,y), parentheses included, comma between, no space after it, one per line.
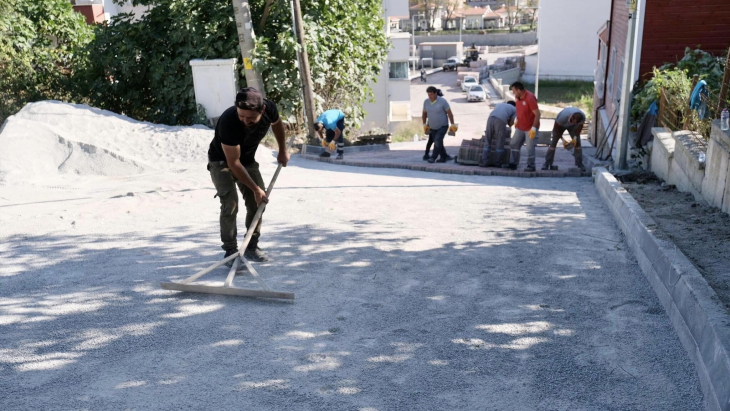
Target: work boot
(530,168)
(255,254)
(545,167)
(426,157)
(325,155)
(449,158)
(442,160)
(340,156)
(228,254)
(430,160)
(510,166)
(581,167)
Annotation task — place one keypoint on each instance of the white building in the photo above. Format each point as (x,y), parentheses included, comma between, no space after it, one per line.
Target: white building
(392,88)
(111,9)
(98,11)
(567,37)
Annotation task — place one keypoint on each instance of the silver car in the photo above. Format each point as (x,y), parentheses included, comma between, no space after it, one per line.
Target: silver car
(468,82)
(476,93)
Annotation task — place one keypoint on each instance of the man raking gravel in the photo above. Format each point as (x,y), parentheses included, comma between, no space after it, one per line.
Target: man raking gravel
(231,162)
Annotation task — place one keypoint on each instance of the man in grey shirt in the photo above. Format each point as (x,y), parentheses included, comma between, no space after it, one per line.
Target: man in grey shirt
(436,116)
(571,119)
(498,129)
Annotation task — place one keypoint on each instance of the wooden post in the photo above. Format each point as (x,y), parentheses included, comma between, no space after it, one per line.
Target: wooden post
(246,37)
(662,108)
(723,88)
(688,111)
(304,72)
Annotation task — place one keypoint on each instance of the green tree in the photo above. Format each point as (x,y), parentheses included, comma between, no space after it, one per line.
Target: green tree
(38,45)
(140,65)
(347,46)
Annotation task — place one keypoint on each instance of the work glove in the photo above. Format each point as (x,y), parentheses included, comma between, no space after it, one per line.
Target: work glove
(332,145)
(533,133)
(452,129)
(569,145)
(324,143)
(426,128)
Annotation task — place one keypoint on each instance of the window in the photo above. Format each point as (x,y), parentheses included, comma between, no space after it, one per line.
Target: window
(600,72)
(619,80)
(611,69)
(398,70)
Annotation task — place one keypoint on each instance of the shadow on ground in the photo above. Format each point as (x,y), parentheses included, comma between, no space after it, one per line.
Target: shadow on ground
(381,321)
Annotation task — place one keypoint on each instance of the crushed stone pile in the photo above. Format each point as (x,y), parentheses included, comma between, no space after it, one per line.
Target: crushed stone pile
(51,138)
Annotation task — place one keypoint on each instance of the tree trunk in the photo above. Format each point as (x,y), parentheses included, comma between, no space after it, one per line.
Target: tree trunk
(304,72)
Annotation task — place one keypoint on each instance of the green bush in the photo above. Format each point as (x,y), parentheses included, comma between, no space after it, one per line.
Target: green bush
(38,45)
(677,79)
(346,46)
(142,67)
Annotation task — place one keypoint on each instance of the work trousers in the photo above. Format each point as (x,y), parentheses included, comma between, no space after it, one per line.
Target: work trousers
(225,186)
(330,135)
(557,134)
(516,144)
(494,136)
(438,136)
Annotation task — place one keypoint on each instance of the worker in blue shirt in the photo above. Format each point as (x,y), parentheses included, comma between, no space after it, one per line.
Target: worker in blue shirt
(330,126)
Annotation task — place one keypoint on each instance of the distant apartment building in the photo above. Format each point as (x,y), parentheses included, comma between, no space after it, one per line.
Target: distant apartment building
(392,88)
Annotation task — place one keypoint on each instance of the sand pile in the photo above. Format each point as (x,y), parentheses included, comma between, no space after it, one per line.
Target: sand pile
(52,138)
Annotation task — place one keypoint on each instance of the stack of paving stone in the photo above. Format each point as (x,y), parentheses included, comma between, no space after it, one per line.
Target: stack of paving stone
(470,152)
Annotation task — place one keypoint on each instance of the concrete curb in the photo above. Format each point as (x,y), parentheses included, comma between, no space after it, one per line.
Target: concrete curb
(702,323)
(467,170)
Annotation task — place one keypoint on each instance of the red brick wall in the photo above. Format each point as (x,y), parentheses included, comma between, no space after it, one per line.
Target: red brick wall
(94,13)
(672,25)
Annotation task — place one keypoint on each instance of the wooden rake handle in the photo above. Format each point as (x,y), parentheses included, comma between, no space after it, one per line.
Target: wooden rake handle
(250,231)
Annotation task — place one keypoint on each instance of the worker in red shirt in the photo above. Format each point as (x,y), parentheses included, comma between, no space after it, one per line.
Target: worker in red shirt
(526,126)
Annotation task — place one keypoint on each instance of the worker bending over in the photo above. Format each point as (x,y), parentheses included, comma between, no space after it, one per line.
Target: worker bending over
(231,162)
(527,125)
(331,128)
(498,129)
(571,119)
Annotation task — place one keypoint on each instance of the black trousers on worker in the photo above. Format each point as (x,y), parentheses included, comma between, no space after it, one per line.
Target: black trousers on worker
(437,138)
(225,186)
(330,135)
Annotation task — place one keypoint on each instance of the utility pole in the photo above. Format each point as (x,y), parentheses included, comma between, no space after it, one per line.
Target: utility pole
(246,37)
(627,81)
(304,73)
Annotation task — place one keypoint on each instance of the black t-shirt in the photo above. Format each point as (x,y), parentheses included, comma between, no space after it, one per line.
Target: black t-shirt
(232,132)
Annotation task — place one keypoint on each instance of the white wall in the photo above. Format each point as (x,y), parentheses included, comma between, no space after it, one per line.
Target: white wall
(385,90)
(401,47)
(568,37)
(530,68)
(377,112)
(396,8)
(111,9)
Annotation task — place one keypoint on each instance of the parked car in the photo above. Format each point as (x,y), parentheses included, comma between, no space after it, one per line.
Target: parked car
(451,64)
(468,83)
(476,93)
